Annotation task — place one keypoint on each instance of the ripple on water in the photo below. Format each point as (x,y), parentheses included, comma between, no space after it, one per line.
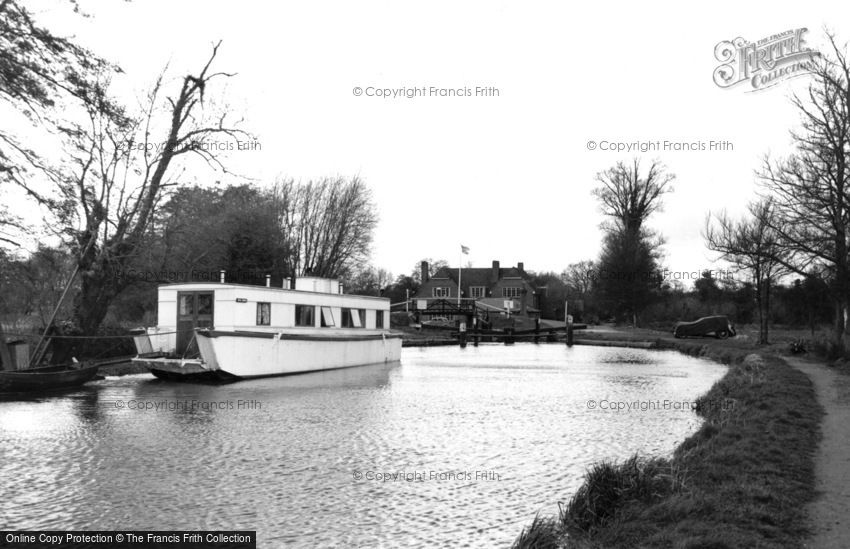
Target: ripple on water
(286,468)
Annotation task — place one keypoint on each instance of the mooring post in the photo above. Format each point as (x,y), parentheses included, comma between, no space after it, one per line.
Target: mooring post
(569,330)
(475,331)
(537,330)
(462,335)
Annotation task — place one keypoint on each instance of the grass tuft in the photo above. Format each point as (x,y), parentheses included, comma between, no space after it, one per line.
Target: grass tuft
(542,533)
(609,486)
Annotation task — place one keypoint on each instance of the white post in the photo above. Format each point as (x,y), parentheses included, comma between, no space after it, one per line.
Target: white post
(407,301)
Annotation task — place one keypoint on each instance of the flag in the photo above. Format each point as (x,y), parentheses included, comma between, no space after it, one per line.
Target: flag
(464,249)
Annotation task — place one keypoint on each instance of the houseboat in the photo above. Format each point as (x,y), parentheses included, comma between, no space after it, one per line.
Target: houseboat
(222,331)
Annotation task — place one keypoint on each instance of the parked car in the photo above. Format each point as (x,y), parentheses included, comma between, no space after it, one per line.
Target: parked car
(439,323)
(718,326)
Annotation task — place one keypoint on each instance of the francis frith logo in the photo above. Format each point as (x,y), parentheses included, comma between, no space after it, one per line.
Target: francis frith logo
(763,64)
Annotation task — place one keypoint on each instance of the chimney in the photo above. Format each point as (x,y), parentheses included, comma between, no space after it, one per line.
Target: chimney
(268,281)
(495,274)
(286,285)
(221,276)
(520,266)
(424,272)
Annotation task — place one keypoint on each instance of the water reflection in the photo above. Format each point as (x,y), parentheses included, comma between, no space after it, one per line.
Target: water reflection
(478,439)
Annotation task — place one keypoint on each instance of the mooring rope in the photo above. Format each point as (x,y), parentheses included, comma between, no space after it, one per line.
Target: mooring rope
(14,334)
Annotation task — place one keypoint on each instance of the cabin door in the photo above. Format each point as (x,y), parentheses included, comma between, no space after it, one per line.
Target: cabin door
(194,310)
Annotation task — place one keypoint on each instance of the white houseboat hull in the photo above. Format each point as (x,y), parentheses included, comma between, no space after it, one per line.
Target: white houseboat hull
(231,354)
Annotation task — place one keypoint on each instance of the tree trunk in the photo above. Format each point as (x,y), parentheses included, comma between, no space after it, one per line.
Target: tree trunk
(841,290)
(91,304)
(766,324)
(760,305)
(838,329)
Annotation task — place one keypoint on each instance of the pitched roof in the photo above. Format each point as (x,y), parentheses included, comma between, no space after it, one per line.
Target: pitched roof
(478,276)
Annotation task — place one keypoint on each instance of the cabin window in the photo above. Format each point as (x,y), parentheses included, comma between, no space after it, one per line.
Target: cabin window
(511,291)
(353,318)
(327,318)
(305,315)
(442,291)
(264,314)
(347,320)
(205,304)
(476,291)
(379,319)
(187,305)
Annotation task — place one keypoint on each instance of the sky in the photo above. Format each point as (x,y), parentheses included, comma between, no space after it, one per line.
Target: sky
(508,174)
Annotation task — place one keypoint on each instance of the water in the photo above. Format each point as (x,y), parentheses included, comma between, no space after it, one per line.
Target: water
(481,439)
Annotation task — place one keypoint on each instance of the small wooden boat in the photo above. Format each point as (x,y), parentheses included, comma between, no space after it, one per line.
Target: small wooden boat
(46,378)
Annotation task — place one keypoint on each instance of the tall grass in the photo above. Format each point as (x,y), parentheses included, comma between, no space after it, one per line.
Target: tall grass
(542,533)
(609,486)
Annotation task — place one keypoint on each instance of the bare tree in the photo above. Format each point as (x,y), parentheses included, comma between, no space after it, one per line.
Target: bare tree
(39,74)
(580,276)
(630,198)
(752,245)
(434,265)
(103,199)
(369,280)
(811,186)
(325,226)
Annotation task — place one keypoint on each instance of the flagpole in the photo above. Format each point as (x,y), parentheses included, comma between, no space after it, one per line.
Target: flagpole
(459,267)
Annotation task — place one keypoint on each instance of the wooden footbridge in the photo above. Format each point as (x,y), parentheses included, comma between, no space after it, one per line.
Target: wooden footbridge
(476,322)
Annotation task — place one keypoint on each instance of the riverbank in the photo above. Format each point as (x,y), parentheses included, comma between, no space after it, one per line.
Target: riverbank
(739,481)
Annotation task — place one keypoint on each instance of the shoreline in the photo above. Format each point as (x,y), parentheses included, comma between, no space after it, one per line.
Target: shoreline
(739,481)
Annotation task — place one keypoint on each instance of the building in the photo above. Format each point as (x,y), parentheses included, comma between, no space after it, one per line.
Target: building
(490,287)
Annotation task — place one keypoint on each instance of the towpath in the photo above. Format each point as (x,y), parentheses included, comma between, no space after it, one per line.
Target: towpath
(830,512)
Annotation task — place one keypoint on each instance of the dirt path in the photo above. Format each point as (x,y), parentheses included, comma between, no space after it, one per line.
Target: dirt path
(830,512)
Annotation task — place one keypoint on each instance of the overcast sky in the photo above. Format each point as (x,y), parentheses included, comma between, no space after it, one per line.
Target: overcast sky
(510,175)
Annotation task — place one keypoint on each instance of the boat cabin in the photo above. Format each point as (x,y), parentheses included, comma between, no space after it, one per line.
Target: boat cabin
(314,305)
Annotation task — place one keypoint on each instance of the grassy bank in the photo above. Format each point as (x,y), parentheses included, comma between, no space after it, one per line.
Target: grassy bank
(741,480)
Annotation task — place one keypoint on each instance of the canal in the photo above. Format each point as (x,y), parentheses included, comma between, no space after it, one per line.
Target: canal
(447,447)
